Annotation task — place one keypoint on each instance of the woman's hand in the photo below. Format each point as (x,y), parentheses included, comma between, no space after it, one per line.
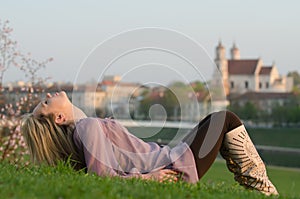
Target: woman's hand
(163,175)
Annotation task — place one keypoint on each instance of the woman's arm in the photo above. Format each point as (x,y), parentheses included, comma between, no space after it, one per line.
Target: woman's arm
(162,175)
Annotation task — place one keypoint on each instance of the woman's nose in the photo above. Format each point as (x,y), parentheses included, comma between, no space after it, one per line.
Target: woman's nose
(48,95)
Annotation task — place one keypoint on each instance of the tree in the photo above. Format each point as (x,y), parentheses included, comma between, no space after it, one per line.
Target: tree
(296,77)
(7,54)
(170,102)
(198,86)
(250,111)
(144,104)
(286,114)
(247,112)
(174,99)
(12,145)
(8,51)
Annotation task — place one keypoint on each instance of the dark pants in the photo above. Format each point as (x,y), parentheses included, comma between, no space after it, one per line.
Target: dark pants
(205,140)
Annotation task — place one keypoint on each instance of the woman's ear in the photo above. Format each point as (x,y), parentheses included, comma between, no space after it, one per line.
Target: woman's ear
(60,118)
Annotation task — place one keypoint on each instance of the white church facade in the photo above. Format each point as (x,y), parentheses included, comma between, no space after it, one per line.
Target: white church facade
(240,76)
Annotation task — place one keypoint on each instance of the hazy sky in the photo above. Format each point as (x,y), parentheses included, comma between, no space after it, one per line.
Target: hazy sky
(69,30)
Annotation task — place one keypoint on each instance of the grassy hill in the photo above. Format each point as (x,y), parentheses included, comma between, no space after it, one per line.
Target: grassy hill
(286,180)
(63,182)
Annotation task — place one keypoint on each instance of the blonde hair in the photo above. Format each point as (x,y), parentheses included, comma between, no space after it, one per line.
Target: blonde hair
(49,142)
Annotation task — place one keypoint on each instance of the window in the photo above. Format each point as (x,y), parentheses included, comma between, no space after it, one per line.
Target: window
(232,84)
(246,84)
(260,85)
(267,84)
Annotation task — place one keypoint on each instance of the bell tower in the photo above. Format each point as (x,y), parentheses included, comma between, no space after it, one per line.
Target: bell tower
(222,65)
(235,52)
(220,52)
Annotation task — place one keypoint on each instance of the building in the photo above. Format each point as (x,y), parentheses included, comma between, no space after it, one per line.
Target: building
(249,75)
(249,80)
(121,97)
(88,98)
(111,97)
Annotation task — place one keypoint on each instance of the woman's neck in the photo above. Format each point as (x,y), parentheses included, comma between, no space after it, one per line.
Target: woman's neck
(76,114)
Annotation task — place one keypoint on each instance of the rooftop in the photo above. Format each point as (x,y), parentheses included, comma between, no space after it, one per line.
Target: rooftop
(242,67)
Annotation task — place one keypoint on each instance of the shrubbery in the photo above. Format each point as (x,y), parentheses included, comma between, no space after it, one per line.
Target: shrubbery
(287,114)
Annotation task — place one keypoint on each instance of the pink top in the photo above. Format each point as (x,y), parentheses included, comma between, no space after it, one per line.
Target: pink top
(109,149)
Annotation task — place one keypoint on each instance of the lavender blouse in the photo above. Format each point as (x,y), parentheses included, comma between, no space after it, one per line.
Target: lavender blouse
(109,149)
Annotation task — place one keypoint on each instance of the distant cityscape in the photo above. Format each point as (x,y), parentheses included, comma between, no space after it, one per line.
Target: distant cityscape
(243,80)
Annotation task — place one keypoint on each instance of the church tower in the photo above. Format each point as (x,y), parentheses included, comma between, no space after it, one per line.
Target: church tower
(220,52)
(235,52)
(222,65)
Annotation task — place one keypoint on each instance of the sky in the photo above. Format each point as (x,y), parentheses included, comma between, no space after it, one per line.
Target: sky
(86,37)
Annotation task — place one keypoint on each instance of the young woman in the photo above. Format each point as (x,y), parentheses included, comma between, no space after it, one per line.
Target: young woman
(57,130)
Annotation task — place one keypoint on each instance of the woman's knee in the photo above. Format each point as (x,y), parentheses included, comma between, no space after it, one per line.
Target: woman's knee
(227,114)
(228,117)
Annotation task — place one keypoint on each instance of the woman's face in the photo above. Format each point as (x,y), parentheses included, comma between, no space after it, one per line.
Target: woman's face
(55,104)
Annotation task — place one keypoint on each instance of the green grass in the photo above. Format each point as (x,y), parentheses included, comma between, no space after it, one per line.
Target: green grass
(63,182)
(286,180)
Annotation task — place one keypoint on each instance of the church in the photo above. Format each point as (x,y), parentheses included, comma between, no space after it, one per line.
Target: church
(240,76)
(249,81)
